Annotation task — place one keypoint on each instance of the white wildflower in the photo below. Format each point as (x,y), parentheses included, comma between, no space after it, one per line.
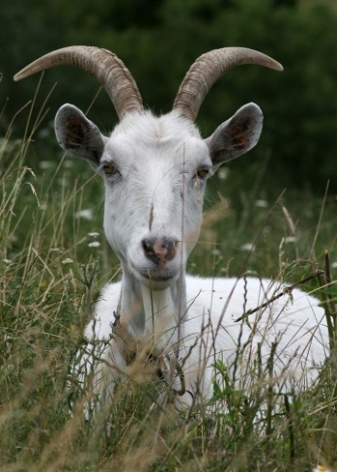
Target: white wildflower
(290,239)
(67,261)
(86,214)
(261,203)
(94,244)
(222,173)
(250,273)
(334,265)
(94,234)
(321,468)
(249,247)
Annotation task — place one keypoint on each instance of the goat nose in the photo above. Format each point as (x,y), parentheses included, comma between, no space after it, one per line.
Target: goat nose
(159,250)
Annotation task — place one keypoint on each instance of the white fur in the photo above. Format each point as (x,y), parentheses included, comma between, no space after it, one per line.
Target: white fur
(210,333)
(157,168)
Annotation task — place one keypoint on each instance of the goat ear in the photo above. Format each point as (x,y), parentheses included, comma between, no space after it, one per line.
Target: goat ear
(78,135)
(237,135)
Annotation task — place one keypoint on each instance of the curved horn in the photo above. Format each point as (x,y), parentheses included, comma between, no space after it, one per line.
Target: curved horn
(103,65)
(207,69)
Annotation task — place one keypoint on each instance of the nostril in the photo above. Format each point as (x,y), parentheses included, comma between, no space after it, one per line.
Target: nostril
(159,250)
(148,246)
(171,247)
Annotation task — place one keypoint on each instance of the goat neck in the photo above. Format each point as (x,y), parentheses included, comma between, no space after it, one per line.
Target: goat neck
(154,317)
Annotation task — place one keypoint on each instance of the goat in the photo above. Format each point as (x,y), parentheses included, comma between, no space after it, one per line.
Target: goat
(155,170)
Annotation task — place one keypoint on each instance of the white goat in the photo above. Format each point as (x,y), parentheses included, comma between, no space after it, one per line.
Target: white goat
(155,170)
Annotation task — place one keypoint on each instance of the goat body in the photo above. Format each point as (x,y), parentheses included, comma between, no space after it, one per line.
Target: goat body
(287,330)
(155,171)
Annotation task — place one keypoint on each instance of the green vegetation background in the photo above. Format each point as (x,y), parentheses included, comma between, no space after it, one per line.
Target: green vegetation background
(158,40)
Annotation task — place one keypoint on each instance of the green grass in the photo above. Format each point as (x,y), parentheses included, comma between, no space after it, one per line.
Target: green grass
(50,276)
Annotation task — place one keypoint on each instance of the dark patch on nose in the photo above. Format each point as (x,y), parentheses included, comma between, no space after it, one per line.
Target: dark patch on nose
(160,250)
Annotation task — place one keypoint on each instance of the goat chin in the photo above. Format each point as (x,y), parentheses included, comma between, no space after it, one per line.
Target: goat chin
(285,336)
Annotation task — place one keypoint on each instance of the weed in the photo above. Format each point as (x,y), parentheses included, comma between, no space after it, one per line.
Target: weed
(50,275)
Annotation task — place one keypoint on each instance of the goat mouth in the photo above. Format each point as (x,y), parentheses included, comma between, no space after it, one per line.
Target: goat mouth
(158,278)
(155,276)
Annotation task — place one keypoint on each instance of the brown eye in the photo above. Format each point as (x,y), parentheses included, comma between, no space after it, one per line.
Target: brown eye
(110,169)
(202,172)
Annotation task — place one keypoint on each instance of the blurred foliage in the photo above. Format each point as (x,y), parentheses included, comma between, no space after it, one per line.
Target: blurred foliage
(159,40)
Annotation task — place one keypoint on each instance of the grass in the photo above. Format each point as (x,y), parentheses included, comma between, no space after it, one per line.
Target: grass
(54,261)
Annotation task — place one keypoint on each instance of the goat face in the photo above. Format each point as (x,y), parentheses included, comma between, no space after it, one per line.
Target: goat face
(155,170)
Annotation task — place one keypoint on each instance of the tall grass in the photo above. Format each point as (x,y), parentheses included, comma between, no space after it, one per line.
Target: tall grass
(53,261)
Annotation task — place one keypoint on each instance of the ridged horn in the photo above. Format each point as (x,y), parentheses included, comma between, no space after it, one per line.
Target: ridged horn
(208,68)
(103,65)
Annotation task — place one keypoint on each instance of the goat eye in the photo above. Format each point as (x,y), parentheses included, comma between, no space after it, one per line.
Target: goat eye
(202,172)
(110,169)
